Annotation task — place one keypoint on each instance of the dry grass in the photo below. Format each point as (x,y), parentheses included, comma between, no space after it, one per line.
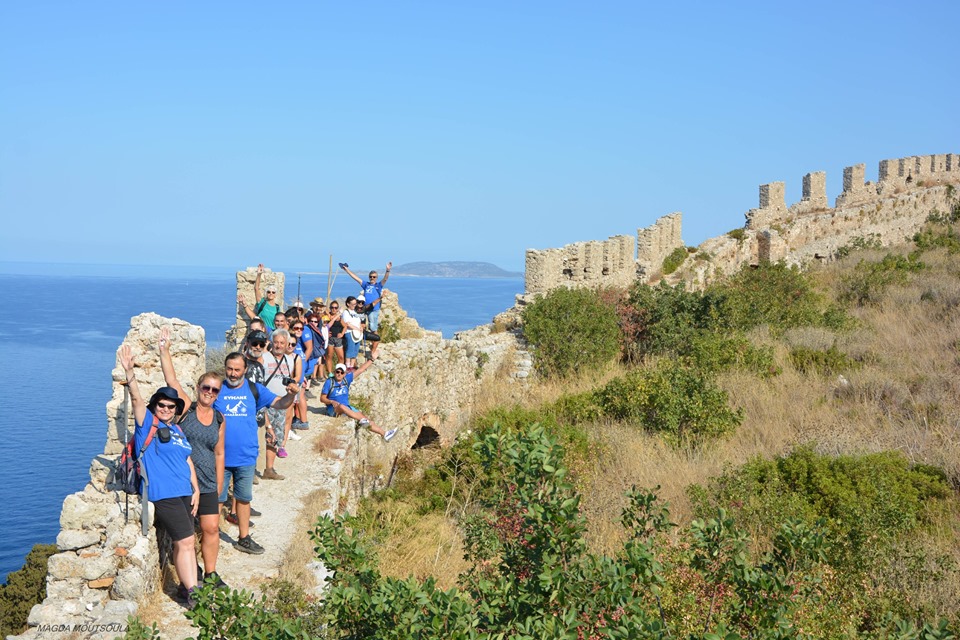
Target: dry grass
(327,441)
(904,396)
(300,553)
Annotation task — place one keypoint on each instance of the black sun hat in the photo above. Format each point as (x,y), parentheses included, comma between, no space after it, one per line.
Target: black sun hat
(170,394)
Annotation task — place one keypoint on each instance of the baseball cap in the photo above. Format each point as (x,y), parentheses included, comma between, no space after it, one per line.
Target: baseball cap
(341,367)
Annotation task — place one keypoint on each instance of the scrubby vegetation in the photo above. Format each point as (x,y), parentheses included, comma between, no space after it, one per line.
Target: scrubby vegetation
(802,426)
(25,588)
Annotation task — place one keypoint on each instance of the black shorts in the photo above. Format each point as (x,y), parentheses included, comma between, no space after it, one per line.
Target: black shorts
(336,342)
(173,514)
(209,504)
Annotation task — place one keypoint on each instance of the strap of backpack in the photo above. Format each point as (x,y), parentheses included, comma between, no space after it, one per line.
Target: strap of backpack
(153,431)
(253,390)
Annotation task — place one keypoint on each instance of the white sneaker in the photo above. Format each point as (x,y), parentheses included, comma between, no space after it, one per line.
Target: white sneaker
(364,422)
(294,436)
(389,434)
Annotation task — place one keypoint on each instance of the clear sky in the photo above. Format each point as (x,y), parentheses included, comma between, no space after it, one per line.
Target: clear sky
(231,133)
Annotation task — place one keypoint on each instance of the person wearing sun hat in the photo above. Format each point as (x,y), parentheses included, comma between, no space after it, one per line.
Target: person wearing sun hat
(173,487)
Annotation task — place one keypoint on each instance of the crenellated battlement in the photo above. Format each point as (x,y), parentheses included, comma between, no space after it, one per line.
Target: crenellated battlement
(896,206)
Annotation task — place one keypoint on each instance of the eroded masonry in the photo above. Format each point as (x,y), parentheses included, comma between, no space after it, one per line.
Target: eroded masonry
(907,191)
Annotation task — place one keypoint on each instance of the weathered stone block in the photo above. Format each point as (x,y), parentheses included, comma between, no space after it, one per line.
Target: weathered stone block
(72,539)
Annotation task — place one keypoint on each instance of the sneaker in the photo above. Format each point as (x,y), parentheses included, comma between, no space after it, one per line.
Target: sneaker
(389,434)
(293,435)
(182,592)
(271,474)
(364,422)
(256,479)
(247,545)
(191,603)
(233,519)
(254,513)
(281,453)
(329,375)
(300,424)
(214,578)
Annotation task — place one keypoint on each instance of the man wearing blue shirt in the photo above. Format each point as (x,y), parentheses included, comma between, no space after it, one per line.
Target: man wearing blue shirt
(238,401)
(336,395)
(372,292)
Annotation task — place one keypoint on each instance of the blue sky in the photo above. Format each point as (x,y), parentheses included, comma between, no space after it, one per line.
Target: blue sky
(215,133)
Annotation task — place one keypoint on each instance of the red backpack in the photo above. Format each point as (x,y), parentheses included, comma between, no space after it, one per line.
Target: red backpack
(127,473)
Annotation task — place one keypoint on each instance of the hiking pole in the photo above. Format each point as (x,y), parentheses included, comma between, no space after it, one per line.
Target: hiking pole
(126,419)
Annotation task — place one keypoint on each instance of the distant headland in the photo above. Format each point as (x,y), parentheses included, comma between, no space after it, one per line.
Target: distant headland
(454,269)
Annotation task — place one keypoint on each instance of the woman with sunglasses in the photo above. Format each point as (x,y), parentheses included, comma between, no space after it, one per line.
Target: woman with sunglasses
(173,486)
(205,430)
(335,345)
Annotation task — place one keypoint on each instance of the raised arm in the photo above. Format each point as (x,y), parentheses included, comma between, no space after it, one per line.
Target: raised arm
(386,273)
(366,365)
(166,365)
(139,406)
(343,265)
(242,302)
(256,283)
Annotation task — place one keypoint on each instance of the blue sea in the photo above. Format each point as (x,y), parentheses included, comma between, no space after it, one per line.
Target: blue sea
(58,341)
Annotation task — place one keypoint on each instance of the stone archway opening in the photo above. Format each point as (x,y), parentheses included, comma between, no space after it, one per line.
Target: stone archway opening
(428,437)
(428,432)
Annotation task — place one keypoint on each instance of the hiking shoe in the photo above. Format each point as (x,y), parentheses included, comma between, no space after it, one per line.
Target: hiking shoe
(247,545)
(214,578)
(281,453)
(233,519)
(363,422)
(256,479)
(293,435)
(191,603)
(182,593)
(389,435)
(300,424)
(271,474)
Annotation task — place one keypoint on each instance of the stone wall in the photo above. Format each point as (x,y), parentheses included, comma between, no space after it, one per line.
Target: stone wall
(888,211)
(104,566)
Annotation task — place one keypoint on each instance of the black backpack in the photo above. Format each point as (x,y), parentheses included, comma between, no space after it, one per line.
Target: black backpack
(127,473)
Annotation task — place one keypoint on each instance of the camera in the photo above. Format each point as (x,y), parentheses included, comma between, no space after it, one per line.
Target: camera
(287,381)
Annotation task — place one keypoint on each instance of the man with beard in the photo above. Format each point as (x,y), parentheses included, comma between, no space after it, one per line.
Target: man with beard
(239,400)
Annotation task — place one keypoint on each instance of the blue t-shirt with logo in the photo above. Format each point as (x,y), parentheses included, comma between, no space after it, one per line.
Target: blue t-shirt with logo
(338,391)
(165,463)
(241,442)
(371,292)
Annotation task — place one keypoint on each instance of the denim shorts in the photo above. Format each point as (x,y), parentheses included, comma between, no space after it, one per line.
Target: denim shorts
(373,319)
(333,412)
(352,348)
(242,482)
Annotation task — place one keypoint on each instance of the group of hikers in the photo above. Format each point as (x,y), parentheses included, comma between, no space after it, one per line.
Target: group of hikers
(201,455)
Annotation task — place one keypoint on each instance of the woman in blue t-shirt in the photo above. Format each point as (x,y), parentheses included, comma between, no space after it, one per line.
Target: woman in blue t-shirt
(172,484)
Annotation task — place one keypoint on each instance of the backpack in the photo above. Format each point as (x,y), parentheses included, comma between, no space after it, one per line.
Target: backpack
(127,472)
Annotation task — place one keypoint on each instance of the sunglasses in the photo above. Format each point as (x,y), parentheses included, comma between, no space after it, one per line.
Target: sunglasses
(268,291)
(334,308)
(166,405)
(313,321)
(338,371)
(298,328)
(258,344)
(207,388)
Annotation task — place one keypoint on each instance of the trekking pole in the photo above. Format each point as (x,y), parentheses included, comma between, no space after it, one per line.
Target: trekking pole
(126,419)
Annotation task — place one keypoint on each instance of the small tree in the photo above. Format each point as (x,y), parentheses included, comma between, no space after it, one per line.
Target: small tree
(571,328)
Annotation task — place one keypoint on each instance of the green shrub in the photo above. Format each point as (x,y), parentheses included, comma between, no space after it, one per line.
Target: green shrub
(25,587)
(932,238)
(679,402)
(714,352)
(871,279)
(823,362)
(531,574)
(776,295)
(673,261)
(738,234)
(571,329)
(860,243)
(866,501)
